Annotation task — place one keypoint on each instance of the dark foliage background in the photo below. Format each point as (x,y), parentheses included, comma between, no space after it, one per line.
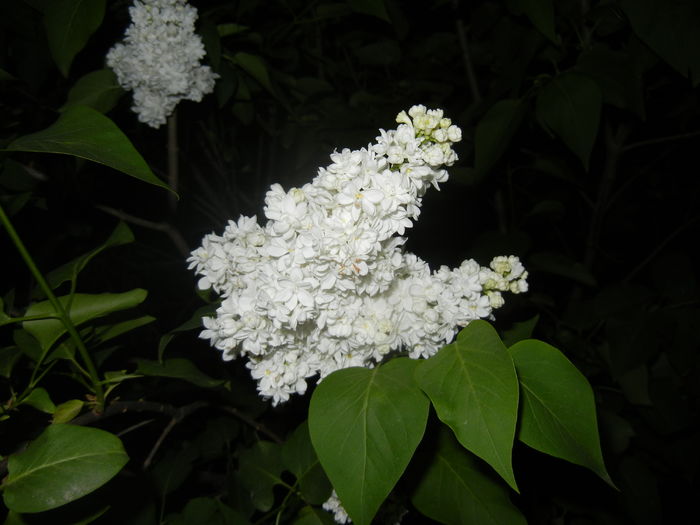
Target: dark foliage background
(605,216)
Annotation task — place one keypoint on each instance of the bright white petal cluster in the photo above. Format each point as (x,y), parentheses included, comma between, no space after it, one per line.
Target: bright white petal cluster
(324,284)
(159,59)
(333,505)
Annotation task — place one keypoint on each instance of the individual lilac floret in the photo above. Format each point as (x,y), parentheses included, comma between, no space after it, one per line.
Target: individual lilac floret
(159,59)
(324,284)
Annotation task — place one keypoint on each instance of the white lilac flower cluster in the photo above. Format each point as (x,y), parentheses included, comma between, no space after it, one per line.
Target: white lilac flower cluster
(334,506)
(325,284)
(159,59)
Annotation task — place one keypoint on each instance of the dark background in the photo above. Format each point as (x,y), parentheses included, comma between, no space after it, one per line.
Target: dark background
(611,248)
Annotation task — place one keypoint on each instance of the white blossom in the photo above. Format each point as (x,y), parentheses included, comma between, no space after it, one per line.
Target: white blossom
(324,284)
(159,59)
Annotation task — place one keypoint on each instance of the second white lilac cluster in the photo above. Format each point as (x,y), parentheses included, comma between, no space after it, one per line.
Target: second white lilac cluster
(159,59)
(324,284)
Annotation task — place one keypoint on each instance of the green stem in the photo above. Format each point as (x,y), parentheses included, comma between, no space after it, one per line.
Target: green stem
(58,307)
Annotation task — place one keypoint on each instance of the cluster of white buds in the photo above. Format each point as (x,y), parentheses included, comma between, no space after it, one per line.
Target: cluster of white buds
(325,284)
(159,59)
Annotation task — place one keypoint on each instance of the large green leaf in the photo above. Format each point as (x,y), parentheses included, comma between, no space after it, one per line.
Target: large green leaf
(178,368)
(365,425)
(474,388)
(83,308)
(69,24)
(255,67)
(261,469)
(69,271)
(558,415)
(618,76)
(299,457)
(375,8)
(569,106)
(98,90)
(313,516)
(540,13)
(83,132)
(207,511)
(670,28)
(63,464)
(494,131)
(454,489)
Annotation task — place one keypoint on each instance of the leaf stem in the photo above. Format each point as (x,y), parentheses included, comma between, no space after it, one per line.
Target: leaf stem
(58,307)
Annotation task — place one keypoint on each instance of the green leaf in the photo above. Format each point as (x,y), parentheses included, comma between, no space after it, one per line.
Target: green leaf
(255,67)
(558,414)
(5,76)
(374,8)
(474,388)
(299,457)
(8,357)
(98,90)
(69,24)
(365,425)
(63,464)
(178,368)
(454,489)
(68,272)
(540,13)
(39,399)
(617,74)
(106,333)
(670,28)
(519,331)
(312,516)
(13,518)
(83,132)
(225,30)
(494,132)
(559,264)
(569,106)
(261,469)
(83,308)
(68,410)
(207,511)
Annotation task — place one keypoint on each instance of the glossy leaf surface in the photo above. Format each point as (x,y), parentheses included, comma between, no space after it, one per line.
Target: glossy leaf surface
(455,489)
(63,464)
(474,389)
(558,415)
(83,132)
(365,425)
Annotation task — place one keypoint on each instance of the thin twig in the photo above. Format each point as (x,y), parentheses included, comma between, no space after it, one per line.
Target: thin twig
(168,229)
(657,249)
(466,56)
(659,140)
(180,414)
(613,146)
(259,427)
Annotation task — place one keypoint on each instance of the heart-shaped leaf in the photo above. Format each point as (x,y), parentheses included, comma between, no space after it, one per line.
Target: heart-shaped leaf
(98,90)
(299,457)
(365,425)
(569,106)
(558,415)
(474,388)
(454,489)
(261,469)
(63,464)
(69,24)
